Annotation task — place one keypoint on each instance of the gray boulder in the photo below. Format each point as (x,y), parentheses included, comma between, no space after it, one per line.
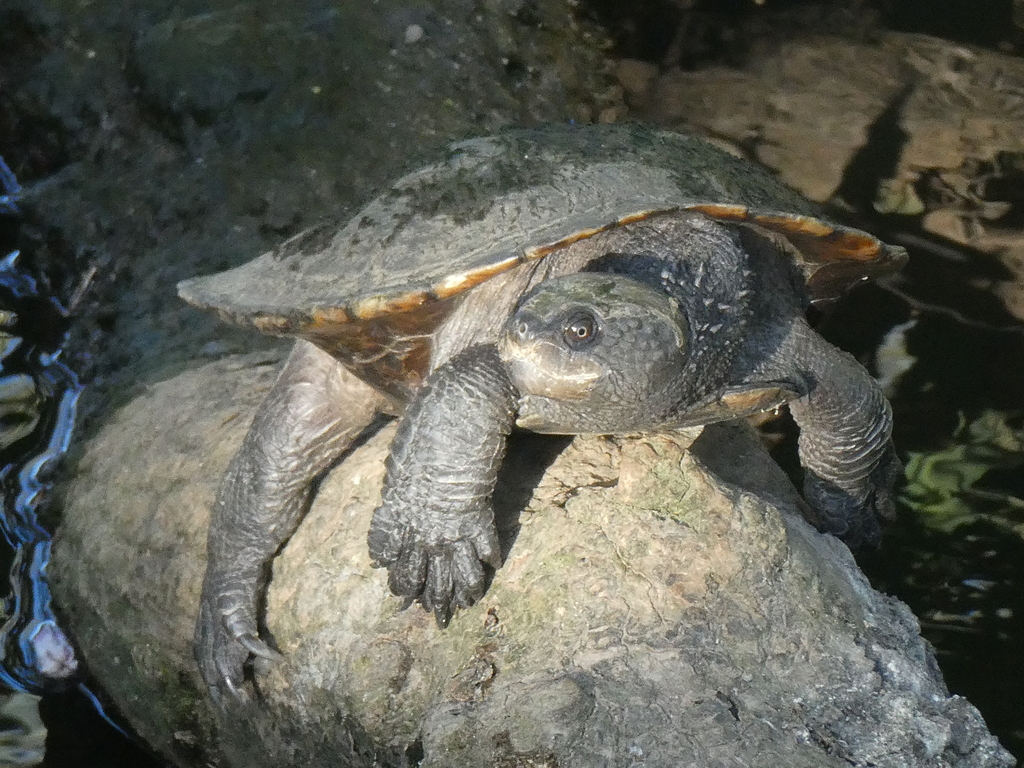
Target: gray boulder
(661,604)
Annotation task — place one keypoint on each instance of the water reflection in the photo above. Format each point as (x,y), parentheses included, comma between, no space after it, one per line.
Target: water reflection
(38,395)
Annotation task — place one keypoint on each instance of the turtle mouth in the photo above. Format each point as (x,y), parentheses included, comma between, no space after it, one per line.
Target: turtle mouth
(542,368)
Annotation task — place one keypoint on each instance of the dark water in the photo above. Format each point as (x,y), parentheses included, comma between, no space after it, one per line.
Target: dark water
(966,585)
(79,737)
(37,414)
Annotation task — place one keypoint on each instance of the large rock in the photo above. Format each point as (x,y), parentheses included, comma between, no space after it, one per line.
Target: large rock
(658,606)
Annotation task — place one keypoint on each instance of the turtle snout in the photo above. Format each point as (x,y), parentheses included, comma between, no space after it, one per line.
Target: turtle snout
(522,329)
(519,335)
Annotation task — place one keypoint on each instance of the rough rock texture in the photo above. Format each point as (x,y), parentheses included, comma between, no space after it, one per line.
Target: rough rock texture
(657,607)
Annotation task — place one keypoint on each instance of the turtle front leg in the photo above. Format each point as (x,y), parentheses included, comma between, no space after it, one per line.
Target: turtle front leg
(434,529)
(311,415)
(845,445)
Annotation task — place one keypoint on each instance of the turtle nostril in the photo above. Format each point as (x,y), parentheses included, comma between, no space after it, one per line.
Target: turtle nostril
(522,330)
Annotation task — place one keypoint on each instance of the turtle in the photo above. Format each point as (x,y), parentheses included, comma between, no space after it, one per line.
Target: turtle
(571,279)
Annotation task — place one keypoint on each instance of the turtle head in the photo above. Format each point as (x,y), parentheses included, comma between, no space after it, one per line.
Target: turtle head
(595,352)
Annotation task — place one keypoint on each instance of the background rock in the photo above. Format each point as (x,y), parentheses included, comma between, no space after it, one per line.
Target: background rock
(949,119)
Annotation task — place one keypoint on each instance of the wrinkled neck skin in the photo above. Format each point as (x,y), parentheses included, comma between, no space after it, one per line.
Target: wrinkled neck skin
(702,265)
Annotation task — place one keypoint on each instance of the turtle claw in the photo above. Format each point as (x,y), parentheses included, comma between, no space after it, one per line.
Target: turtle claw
(225,637)
(439,564)
(257,647)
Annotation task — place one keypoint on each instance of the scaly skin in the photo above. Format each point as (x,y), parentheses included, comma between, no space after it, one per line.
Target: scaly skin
(314,412)
(434,529)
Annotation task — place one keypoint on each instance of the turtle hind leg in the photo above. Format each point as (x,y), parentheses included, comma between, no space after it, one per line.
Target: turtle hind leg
(313,413)
(845,444)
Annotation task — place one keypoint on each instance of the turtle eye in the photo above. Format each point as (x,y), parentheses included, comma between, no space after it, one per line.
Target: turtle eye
(580,329)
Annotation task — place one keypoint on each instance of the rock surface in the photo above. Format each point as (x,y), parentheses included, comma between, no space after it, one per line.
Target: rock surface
(658,606)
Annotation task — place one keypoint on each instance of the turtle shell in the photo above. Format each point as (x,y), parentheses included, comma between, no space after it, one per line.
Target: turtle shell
(372,292)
